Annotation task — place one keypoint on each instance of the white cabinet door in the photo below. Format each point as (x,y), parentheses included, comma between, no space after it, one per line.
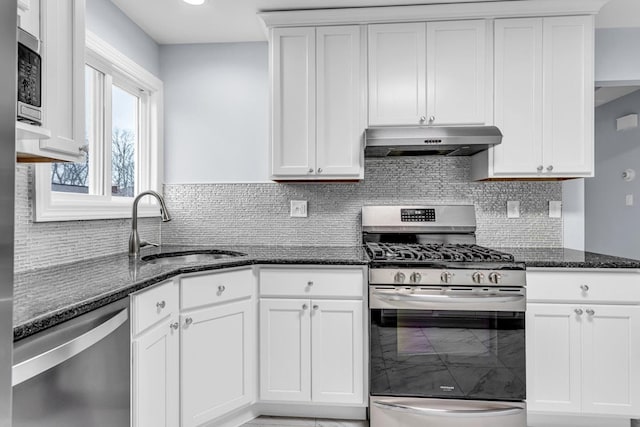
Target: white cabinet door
(285,350)
(337,351)
(294,101)
(553,357)
(568,95)
(456,72)
(518,96)
(611,360)
(216,367)
(63,78)
(397,74)
(155,385)
(339,108)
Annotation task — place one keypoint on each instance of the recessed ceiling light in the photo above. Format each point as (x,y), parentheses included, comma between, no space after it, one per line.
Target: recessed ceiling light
(194,2)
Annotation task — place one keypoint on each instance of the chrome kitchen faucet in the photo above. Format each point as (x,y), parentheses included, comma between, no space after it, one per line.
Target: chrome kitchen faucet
(134,239)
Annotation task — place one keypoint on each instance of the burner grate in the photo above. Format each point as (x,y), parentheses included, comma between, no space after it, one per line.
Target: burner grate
(378,251)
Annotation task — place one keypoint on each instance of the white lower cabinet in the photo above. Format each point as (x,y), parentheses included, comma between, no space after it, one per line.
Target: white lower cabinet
(154,354)
(215,362)
(311,349)
(193,349)
(583,344)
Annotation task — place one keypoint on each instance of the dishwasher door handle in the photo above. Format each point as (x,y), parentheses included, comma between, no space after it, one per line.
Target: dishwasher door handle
(36,365)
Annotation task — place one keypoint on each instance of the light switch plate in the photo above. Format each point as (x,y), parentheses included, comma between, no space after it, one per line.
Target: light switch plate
(513,209)
(628,200)
(298,209)
(555,209)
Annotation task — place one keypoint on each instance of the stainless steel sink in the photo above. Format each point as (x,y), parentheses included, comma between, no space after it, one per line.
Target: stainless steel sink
(190,257)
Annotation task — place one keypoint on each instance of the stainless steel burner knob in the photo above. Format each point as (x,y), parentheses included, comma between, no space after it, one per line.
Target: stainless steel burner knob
(495,278)
(416,277)
(446,277)
(477,277)
(399,278)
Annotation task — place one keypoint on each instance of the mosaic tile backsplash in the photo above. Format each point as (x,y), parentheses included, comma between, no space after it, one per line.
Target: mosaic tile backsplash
(218,214)
(51,243)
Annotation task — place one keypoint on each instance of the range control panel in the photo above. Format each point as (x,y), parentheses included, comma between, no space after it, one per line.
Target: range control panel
(417,215)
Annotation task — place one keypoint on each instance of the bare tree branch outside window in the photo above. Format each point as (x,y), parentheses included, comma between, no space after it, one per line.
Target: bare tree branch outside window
(123,162)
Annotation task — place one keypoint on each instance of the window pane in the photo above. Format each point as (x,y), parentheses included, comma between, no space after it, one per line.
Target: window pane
(124,142)
(74,177)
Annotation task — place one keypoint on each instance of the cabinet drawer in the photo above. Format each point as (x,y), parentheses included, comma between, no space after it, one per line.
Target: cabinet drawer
(213,288)
(589,286)
(311,282)
(152,305)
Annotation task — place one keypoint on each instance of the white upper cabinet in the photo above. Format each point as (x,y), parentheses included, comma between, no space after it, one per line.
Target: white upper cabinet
(339,118)
(518,86)
(397,74)
(428,74)
(457,72)
(63,41)
(317,94)
(294,103)
(543,99)
(568,106)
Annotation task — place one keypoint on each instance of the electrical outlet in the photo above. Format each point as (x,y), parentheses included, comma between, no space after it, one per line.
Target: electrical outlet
(298,209)
(628,200)
(555,209)
(513,209)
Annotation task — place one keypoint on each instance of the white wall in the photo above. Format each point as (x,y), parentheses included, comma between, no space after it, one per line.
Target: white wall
(617,56)
(611,227)
(113,26)
(216,112)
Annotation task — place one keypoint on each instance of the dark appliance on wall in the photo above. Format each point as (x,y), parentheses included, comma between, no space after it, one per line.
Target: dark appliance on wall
(29,79)
(447,324)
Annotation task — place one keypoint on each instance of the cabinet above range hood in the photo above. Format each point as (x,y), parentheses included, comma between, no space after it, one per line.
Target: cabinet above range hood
(385,141)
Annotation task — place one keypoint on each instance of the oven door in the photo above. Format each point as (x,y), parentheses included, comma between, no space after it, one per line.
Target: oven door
(454,343)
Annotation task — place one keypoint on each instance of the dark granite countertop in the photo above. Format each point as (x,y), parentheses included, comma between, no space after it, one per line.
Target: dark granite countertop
(568,258)
(49,296)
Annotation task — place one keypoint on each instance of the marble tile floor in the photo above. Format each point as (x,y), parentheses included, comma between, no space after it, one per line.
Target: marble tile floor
(266,421)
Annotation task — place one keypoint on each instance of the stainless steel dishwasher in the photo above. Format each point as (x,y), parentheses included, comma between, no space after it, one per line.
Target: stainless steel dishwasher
(75,374)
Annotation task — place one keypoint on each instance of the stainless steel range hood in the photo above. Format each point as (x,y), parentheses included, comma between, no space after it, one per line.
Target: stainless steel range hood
(430,140)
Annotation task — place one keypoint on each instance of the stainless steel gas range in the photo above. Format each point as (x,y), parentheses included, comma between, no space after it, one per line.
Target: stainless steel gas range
(447,324)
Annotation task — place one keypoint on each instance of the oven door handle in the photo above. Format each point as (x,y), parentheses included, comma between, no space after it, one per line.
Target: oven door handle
(425,410)
(457,298)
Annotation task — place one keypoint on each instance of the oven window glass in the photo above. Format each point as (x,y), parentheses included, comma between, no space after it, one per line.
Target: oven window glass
(450,354)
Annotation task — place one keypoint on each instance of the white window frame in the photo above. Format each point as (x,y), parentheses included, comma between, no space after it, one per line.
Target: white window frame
(59,206)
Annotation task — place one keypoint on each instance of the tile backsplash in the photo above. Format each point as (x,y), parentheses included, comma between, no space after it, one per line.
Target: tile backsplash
(218,214)
(42,244)
(258,213)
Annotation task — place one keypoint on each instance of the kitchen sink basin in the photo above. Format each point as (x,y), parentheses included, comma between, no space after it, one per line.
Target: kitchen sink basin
(188,257)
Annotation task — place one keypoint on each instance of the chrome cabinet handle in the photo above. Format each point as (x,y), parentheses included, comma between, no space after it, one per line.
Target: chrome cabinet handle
(310,283)
(550,168)
(221,288)
(188,321)
(319,170)
(423,118)
(160,305)
(432,119)
(584,288)
(310,170)
(590,312)
(305,306)
(315,307)
(578,311)
(540,168)
(174,326)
